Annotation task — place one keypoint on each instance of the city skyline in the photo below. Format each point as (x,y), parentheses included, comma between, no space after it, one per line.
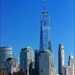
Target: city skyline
(21,29)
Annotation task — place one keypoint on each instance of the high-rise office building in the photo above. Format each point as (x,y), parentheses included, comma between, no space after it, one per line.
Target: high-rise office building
(5,53)
(60,59)
(45,45)
(45,41)
(27,60)
(71,63)
(71,60)
(45,63)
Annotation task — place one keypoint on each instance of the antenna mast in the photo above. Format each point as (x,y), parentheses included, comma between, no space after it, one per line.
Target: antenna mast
(44,5)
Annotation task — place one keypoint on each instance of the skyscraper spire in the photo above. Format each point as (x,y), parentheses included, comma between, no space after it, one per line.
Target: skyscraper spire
(45,40)
(44,5)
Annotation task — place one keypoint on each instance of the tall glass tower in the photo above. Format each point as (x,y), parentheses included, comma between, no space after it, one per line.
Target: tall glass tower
(45,41)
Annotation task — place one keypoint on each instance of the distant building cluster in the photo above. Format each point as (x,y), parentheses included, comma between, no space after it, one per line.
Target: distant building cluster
(65,70)
(7,61)
(37,62)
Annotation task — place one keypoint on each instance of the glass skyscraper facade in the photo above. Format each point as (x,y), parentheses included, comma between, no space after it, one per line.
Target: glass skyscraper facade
(5,53)
(27,60)
(45,40)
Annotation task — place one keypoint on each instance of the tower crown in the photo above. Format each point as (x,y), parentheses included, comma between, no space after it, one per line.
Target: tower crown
(71,56)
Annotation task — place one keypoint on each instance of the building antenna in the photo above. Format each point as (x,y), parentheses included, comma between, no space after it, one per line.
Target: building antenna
(44,5)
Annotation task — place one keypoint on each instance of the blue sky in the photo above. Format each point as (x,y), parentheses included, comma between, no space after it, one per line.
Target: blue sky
(20,24)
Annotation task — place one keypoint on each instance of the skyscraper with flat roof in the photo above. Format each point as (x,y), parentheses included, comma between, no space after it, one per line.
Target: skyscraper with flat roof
(5,53)
(45,41)
(27,60)
(46,64)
